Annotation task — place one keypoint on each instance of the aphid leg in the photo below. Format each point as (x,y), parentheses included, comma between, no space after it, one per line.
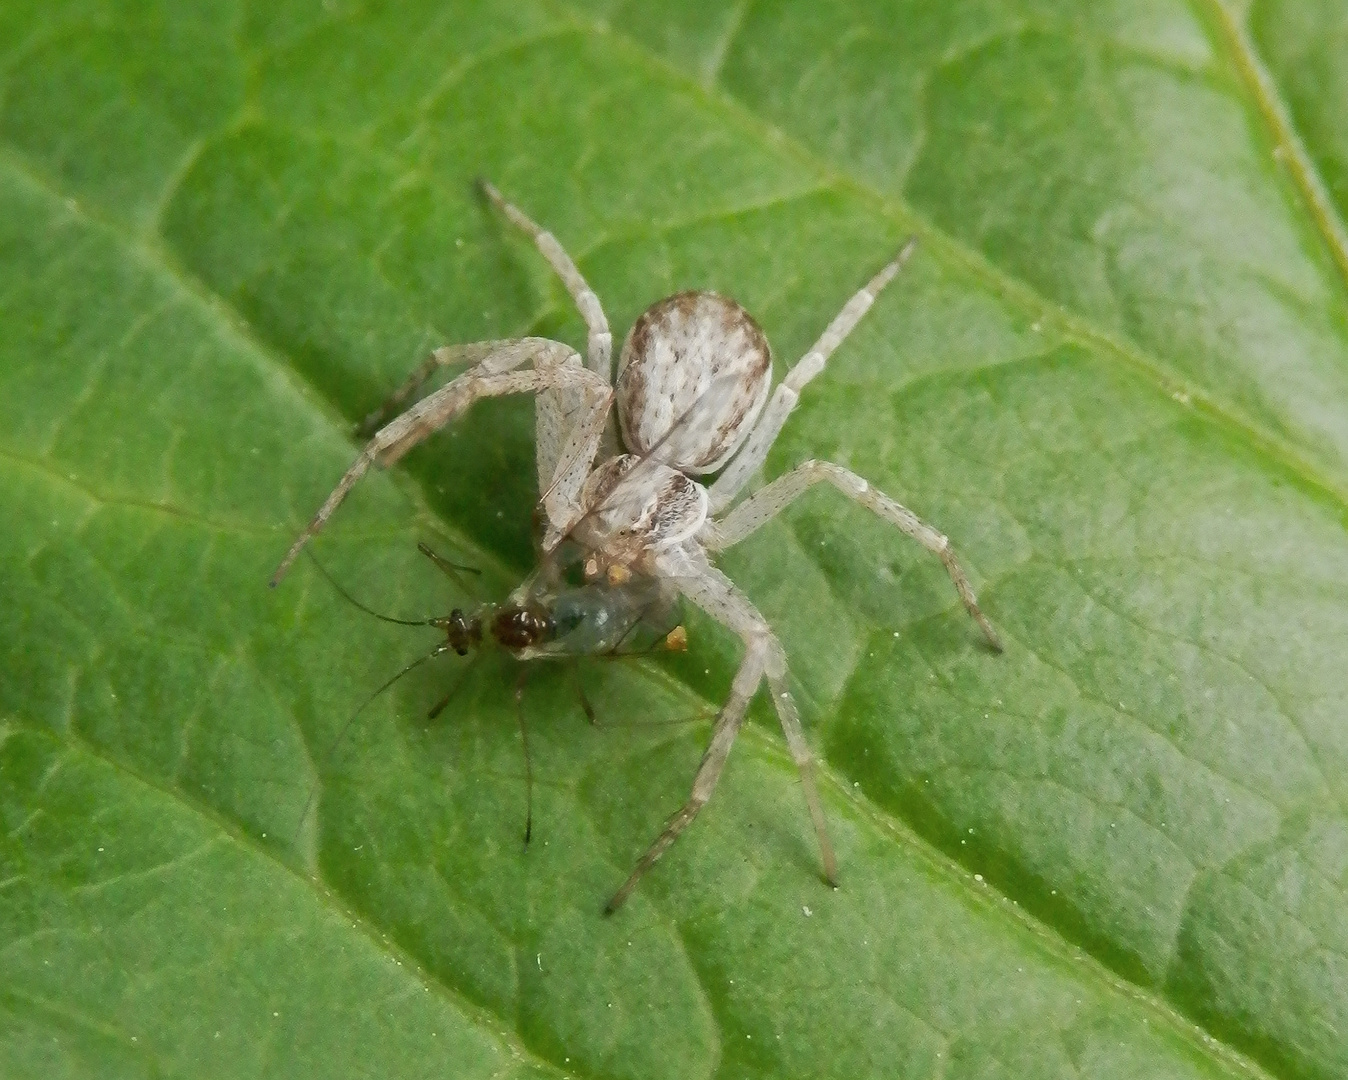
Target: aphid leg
(556,367)
(769,501)
(585,705)
(723,735)
(440,706)
(528,759)
(599,348)
(754,452)
(449,569)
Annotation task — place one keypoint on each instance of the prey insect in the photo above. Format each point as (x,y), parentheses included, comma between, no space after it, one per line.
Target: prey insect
(693,396)
(543,619)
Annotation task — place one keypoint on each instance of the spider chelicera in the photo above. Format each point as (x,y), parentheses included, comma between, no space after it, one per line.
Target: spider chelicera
(693,396)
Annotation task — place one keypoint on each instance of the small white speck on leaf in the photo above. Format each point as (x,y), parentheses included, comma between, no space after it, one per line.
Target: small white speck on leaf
(806,910)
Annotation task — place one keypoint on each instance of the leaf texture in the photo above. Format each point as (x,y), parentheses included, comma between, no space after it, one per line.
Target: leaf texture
(1116,374)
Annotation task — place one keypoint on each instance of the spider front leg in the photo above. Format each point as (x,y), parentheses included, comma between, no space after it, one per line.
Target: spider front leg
(556,367)
(599,346)
(411,386)
(766,503)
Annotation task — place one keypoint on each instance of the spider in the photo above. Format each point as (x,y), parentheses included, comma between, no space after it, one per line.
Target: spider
(694,397)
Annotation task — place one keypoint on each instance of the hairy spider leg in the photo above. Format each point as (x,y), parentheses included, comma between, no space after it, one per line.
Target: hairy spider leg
(769,501)
(751,456)
(720,598)
(599,346)
(556,367)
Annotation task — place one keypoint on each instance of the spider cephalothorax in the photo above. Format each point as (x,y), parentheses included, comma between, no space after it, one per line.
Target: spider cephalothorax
(693,397)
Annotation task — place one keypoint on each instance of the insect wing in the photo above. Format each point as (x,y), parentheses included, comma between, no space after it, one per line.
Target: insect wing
(604,619)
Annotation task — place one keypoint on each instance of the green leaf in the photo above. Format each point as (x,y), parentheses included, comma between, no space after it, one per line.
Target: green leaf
(1116,374)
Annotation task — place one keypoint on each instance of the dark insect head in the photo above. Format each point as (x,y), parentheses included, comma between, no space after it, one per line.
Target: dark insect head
(462,633)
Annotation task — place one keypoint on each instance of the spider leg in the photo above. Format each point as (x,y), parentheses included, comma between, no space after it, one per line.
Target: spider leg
(599,348)
(392,405)
(445,356)
(555,367)
(583,413)
(719,597)
(723,735)
(754,452)
(771,500)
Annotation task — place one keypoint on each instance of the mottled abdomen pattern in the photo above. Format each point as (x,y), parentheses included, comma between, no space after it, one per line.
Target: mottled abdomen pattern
(678,350)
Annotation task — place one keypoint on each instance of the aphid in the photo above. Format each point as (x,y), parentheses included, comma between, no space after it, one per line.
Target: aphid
(618,615)
(694,397)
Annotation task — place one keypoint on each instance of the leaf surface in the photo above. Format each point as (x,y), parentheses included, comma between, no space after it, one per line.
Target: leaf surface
(1116,375)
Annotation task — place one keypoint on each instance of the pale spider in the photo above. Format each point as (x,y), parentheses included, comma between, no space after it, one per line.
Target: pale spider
(692,395)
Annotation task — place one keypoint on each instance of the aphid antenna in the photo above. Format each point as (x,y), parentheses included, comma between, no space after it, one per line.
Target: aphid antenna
(331,752)
(346,595)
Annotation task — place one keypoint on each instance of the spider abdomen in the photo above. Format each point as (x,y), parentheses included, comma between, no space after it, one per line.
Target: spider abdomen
(692,377)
